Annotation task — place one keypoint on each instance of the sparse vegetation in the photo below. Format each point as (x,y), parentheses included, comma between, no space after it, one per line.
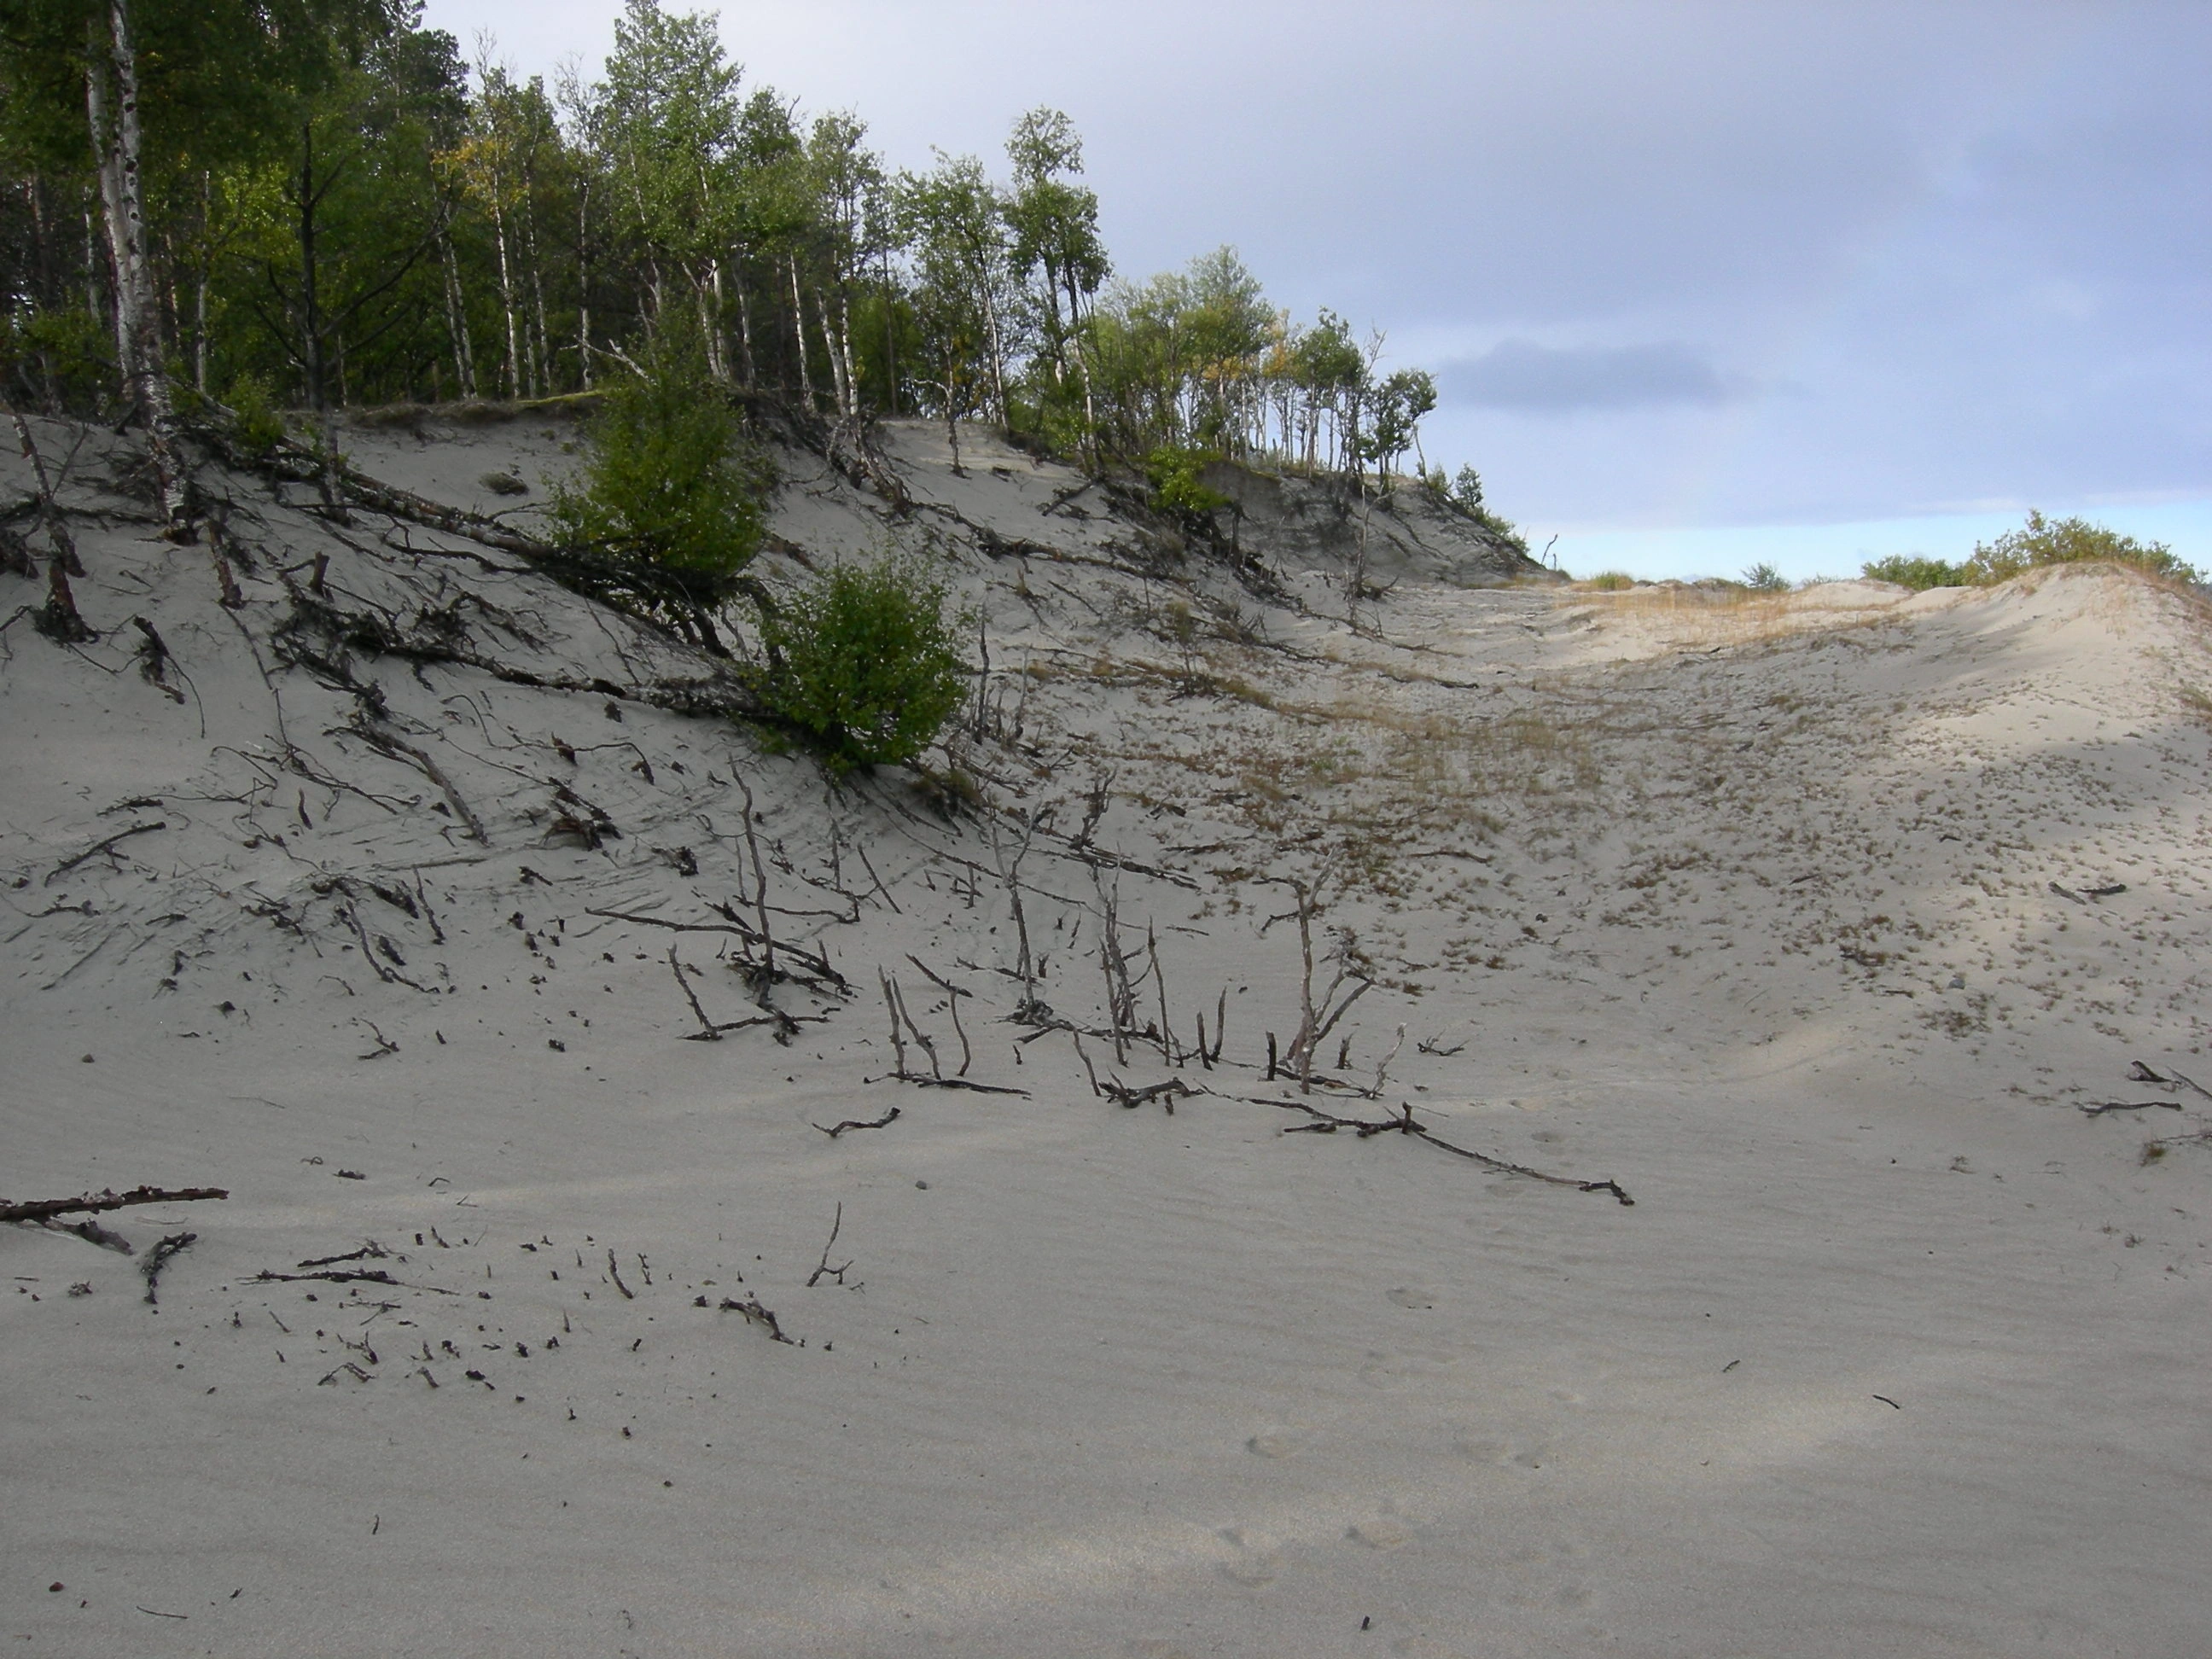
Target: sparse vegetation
(1764,578)
(1610,581)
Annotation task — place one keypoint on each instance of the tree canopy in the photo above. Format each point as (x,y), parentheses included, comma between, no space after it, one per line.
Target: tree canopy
(320,203)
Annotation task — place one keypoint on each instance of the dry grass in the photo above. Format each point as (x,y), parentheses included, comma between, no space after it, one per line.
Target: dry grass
(1697,616)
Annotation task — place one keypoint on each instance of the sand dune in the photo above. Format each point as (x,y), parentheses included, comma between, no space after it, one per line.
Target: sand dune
(1818,925)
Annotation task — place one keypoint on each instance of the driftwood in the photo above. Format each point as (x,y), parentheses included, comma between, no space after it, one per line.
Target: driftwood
(38,1210)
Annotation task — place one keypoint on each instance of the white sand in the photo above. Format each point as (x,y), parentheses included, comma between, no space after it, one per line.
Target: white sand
(1898,1351)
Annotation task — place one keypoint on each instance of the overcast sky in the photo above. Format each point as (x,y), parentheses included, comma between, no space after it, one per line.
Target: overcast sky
(1865,276)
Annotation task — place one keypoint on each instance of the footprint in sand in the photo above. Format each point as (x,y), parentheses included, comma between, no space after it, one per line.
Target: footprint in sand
(1382,1370)
(1271,1442)
(1255,1563)
(1409,1296)
(1381,1533)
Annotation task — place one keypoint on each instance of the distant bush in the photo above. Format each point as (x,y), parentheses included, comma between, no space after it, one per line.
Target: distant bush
(861,663)
(2039,542)
(1611,581)
(671,478)
(1915,571)
(1764,578)
(2069,541)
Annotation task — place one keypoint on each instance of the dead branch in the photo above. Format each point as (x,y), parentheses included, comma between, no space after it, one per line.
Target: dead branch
(1406,1123)
(708,1032)
(755,1315)
(760,892)
(824,1270)
(93,1233)
(158,1258)
(361,1276)
(38,1210)
(884,1123)
(1166,1093)
(2139,1073)
(2103,1107)
(385,743)
(1009,871)
(953,993)
(98,848)
(1384,1070)
(615,1272)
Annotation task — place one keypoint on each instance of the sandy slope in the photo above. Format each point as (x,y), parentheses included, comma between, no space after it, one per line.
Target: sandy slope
(1748,906)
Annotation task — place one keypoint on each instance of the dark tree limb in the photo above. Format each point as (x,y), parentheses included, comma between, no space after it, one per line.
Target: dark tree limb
(158,1258)
(884,1123)
(98,848)
(38,1210)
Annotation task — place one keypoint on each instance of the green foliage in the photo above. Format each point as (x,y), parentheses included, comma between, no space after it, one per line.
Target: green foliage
(1915,571)
(1177,474)
(2038,542)
(1611,581)
(2044,541)
(862,663)
(1764,578)
(1467,489)
(260,428)
(671,479)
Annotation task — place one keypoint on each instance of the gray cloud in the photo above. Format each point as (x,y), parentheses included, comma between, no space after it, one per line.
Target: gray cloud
(1558,379)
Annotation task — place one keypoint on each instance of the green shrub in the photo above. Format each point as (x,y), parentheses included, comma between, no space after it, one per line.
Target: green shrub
(671,478)
(861,663)
(1764,578)
(2044,541)
(1611,581)
(1915,571)
(1176,476)
(260,427)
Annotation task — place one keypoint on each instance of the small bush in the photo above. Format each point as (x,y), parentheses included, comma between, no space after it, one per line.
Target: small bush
(260,428)
(861,663)
(1915,571)
(1176,475)
(671,478)
(2044,541)
(1611,581)
(1764,578)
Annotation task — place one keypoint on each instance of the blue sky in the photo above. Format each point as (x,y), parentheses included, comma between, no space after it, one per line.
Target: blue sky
(1704,284)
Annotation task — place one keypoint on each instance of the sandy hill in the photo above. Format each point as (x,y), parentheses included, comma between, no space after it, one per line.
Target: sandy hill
(590,1282)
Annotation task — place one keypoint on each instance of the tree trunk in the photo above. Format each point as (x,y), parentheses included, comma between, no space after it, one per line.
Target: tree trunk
(837,362)
(845,349)
(506,290)
(798,337)
(311,329)
(584,280)
(206,275)
(136,307)
(58,620)
(541,351)
(457,314)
